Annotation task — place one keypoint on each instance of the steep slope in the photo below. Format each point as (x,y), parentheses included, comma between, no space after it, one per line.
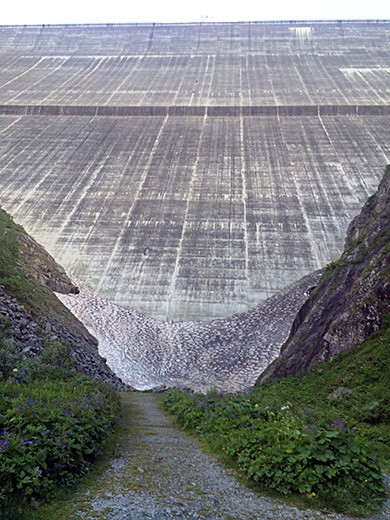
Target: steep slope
(353,296)
(31,316)
(42,266)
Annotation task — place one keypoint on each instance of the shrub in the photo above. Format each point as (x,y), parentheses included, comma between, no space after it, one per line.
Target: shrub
(50,433)
(10,358)
(286,449)
(58,354)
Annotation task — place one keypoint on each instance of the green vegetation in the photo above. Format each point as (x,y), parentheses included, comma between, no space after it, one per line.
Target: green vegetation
(52,427)
(54,422)
(15,280)
(74,500)
(288,436)
(331,268)
(19,282)
(355,243)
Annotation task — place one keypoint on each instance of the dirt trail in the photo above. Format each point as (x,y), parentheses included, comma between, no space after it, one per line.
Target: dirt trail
(160,473)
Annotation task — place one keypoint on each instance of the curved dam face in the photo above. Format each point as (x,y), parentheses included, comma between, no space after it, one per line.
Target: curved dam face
(191,171)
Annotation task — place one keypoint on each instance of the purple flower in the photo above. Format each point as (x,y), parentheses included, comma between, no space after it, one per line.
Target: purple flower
(26,442)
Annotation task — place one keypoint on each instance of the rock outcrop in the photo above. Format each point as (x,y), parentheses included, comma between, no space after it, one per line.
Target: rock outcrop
(42,266)
(31,323)
(352,298)
(29,334)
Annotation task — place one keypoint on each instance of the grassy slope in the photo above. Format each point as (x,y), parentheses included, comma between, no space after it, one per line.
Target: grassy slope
(38,456)
(231,426)
(13,275)
(20,284)
(365,370)
(238,428)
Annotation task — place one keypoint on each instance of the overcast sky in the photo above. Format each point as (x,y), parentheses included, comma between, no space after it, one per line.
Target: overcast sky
(122,11)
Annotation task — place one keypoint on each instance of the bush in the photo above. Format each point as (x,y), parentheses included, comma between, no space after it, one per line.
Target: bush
(10,358)
(58,354)
(50,433)
(285,449)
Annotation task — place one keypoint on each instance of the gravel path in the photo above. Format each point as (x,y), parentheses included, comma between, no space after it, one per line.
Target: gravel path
(161,473)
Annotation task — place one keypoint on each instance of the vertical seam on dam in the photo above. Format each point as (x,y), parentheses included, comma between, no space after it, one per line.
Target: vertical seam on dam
(244,201)
(185,219)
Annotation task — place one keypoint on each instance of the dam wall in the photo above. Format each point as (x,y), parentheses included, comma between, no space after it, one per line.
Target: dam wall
(221,111)
(226,64)
(191,171)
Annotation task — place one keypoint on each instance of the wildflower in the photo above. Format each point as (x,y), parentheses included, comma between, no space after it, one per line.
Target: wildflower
(15,370)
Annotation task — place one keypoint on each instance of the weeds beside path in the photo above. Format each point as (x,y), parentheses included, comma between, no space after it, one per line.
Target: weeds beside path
(160,473)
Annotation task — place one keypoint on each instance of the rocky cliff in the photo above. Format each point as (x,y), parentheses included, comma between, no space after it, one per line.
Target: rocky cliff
(42,266)
(31,315)
(351,299)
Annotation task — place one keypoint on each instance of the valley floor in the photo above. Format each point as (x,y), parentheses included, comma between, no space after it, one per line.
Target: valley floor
(160,473)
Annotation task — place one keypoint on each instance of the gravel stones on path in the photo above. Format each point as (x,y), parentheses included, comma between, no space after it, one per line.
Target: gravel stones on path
(161,473)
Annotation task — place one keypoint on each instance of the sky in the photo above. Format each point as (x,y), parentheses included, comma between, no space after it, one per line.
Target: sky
(21,12)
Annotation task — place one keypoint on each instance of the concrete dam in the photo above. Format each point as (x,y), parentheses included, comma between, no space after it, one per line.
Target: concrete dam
(191,171)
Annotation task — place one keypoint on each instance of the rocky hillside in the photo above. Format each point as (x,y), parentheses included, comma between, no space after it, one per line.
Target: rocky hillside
(353,296)
(42,266)
(31,316)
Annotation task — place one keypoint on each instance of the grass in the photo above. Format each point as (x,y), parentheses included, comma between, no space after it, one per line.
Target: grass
(19,282)
(365,370)
(274,420)
(14,275)
(61,503)
(29,448)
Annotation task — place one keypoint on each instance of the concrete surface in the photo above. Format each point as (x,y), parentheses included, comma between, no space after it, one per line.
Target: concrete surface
(190,171)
